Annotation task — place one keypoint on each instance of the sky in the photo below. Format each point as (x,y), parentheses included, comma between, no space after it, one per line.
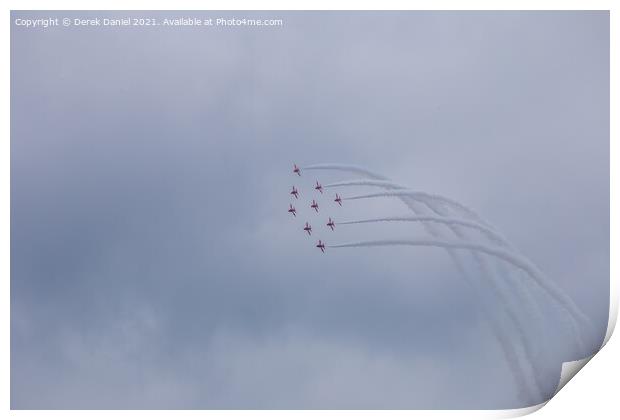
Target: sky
(154,264)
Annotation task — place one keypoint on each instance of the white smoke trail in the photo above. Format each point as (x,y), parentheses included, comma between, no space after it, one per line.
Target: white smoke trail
(552,290)
(513,361)
(500,253)
(419,195)
(511,307)
(432,200)
(511,310)
(367,183)
(343,167)
(516,364)
(424,197)
(492,234)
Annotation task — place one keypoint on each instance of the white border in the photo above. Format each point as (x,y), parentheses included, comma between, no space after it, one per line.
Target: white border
(574,402)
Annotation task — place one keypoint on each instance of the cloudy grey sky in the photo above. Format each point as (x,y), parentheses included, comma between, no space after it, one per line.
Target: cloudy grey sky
(154,265)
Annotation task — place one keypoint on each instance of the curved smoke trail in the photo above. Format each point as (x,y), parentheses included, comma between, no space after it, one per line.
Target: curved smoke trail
(342,167)
(512,358)
(424,197)
(441,243)
(550,287)
(367,182)
(520,289)
(503,294)
(492,234)
(499,290)
(500,253)
(515,364)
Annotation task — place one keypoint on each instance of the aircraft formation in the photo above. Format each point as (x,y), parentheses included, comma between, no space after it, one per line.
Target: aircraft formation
(313,205)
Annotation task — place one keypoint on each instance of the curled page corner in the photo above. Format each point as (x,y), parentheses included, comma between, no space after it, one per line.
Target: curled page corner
(570,369)
(363,293)
(519,412)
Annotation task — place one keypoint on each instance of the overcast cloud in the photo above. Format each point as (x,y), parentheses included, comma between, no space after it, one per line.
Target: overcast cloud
(154,265)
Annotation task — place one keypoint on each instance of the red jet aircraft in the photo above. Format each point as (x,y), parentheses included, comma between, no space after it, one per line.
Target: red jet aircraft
(291,209)
(294,192)
(338,200)
(296,170)
(321,246)
(315,206)
(319,187)
(331,223)
(308,229)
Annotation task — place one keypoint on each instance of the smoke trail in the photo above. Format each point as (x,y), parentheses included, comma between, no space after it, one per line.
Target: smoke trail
(343,167)
(512,359)
(525,296)
(513,362)
(556,293)
(511,310)
(429,200)
(424,197)
(500,253)
(495,237)
(367,182)
(492,234)
(419,195)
